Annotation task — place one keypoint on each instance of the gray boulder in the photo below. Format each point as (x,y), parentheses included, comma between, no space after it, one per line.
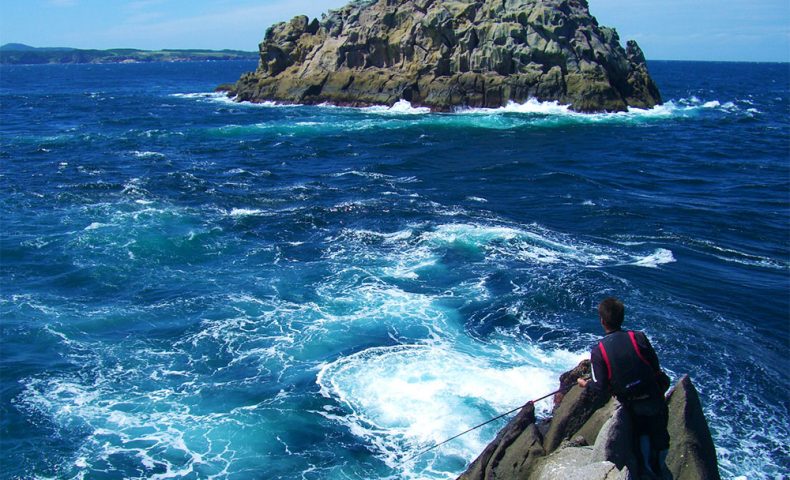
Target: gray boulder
(615,442)
(511,453)
(589,432)
(449,53)
(692,454)
(569,417)
(574,463)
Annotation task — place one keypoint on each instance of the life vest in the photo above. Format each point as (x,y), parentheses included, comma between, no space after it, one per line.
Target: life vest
(631,376)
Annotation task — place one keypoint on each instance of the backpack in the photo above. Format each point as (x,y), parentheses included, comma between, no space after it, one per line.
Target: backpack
(635,381)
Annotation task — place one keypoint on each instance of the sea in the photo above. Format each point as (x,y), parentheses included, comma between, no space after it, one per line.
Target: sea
(194,288)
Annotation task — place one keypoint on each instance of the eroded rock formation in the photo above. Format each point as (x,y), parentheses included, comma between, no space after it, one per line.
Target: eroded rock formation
(591,439)
(449,53)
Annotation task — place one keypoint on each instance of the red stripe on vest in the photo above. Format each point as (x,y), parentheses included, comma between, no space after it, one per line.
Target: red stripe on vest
(636,348)
(606,360)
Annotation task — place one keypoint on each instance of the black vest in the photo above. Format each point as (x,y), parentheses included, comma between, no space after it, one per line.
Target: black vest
(631,377)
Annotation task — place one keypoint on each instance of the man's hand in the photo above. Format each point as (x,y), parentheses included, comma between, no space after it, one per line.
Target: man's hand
(582,382)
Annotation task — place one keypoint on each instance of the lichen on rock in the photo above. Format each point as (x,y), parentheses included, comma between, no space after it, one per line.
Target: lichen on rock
(445,54)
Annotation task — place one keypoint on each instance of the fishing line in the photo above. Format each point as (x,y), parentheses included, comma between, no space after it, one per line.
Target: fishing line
(484,423)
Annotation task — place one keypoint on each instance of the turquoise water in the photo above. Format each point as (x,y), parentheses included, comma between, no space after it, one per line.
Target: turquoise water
(193,288)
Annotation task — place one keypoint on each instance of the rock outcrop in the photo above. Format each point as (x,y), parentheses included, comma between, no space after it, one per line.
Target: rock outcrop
(587,439)
(692,454)
(449,53)
(513,451)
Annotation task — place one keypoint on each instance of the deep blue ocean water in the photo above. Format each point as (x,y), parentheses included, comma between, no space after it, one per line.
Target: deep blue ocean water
(193,288)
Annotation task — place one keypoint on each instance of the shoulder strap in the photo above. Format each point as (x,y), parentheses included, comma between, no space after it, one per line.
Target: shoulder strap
(632,336)
(606,360)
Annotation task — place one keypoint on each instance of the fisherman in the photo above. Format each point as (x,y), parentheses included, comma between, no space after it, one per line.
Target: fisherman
(625,364)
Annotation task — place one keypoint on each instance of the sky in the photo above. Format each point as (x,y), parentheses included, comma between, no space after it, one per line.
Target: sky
(718,30)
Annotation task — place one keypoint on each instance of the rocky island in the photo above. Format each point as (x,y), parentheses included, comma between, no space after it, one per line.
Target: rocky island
(590,439)
(445,54)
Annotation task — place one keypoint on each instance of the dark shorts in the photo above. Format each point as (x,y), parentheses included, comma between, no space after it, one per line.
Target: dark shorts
(654,426)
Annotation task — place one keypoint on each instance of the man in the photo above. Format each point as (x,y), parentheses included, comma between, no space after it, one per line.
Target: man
(625,364)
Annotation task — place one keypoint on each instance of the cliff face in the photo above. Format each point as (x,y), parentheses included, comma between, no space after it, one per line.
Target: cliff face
(585,440)
(448,53)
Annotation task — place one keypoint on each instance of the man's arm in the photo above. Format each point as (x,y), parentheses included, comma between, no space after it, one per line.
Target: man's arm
(599,383)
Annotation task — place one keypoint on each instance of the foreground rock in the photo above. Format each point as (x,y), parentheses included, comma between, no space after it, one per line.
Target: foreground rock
(588,440)
(448,53)
(692,453)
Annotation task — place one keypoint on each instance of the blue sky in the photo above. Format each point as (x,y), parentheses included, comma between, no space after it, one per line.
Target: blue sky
(743,30)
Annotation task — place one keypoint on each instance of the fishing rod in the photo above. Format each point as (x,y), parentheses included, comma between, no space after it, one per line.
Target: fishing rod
(531,402)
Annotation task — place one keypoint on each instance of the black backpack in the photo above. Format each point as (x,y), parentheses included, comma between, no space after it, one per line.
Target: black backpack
(634,380)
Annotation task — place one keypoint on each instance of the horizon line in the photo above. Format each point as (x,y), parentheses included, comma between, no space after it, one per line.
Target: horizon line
(255,51)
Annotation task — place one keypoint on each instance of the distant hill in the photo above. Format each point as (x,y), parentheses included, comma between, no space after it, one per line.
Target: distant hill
(16,47)
(21,54)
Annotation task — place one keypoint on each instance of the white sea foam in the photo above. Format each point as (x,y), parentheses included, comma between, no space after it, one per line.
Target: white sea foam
(125,420)
(743,258)
(546,110)
(409,266)
(419,252)
(354,301)
(661,256)
(470,234)
(146,154)
(401,107)
(358,173)
(555,110)
(195,95)
(134,187)
(531,106)
(96,225)
(511,242)
(366,235)
(513,115)
(223,98)
(376,176)
(212,96)
(268,104)
(400,399)
(245,212)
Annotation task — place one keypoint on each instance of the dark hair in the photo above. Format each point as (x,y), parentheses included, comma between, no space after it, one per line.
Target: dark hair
(612,313)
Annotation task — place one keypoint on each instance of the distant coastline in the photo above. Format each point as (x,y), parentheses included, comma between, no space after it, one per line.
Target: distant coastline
(20,54)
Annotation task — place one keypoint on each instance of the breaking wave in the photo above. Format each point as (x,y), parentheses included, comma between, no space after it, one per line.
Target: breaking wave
(403,398)
(532,112)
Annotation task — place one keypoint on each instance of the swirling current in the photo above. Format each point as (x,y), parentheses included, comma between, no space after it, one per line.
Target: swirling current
(197,288)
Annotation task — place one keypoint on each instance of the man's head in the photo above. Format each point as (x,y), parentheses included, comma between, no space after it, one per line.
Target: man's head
(612,313)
